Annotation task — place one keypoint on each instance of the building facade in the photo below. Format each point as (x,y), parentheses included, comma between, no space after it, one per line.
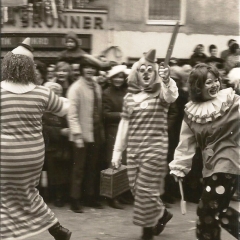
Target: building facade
(120,29)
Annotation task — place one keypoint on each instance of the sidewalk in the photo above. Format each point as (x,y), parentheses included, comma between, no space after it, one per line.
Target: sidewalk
(112,224)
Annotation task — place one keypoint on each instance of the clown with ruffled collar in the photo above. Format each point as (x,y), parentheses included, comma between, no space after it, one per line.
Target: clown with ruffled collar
(143,132)
(211,122)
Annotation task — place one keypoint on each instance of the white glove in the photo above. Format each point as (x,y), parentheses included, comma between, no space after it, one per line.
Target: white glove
(116,159)
(177,174)
(164,73)
(79,143)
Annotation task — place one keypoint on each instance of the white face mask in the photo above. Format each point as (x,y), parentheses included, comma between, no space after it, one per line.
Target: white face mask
(146,74)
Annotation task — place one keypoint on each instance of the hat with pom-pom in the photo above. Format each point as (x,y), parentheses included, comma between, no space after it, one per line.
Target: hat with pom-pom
(24,48)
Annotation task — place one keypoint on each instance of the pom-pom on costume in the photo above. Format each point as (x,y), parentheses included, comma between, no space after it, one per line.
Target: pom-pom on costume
(23,211)
(143,131)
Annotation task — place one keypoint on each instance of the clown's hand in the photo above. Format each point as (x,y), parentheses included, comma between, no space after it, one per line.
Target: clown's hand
(164,73)
(116,159)
(177,175)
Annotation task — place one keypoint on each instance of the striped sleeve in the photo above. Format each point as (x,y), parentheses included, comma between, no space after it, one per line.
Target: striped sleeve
(56,105)
(125,111)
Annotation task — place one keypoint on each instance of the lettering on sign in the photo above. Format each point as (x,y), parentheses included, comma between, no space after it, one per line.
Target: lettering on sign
(63,21)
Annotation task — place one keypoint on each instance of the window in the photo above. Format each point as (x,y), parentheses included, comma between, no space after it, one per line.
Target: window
(166,12)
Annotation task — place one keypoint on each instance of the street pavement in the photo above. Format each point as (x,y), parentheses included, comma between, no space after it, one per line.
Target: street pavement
(113,224)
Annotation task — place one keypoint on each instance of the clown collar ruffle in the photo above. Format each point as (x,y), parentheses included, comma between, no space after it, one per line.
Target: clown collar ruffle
(16,87)
(202,112)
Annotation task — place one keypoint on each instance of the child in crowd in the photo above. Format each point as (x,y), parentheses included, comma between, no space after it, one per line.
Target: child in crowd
(58,150)
(63,75)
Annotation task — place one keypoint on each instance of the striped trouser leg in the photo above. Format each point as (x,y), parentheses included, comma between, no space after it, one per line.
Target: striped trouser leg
(146,181)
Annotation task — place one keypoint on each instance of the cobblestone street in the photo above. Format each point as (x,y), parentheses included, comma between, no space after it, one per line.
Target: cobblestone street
(109,224)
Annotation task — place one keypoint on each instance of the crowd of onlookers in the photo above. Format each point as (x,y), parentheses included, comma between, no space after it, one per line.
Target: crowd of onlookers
(95,90)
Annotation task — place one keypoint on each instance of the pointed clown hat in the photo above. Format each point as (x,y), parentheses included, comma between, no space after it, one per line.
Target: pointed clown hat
(151,56)
(24,48)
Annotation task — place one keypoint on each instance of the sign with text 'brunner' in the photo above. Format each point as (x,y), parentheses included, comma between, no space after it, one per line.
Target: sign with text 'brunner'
(52,41)
(68,20)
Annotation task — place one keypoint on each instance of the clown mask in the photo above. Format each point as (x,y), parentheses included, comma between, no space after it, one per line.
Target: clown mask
(146,72)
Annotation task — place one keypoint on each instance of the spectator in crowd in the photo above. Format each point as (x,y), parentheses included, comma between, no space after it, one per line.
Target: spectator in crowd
(103,80)
(50,73)
(198,56)
(225,53)
(213,59)
(75,70)
(233,58)
(63,75)
(112,108)
(211,122)
(86,133)
(41,72)
(58,151)
(73,52)
(143,131)
(23,102)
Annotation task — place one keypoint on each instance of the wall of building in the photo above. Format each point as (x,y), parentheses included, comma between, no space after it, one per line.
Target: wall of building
(124,25)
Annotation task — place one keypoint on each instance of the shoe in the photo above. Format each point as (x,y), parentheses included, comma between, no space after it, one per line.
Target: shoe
(59,232)
(114,203)
(147,233)
(59,202)
(93,204)
(162,223)
(75,206)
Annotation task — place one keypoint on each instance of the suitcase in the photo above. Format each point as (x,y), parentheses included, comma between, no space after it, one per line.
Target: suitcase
(113,182)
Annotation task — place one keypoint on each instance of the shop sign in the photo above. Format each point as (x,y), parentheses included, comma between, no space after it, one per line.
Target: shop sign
(44,41)
(64,21)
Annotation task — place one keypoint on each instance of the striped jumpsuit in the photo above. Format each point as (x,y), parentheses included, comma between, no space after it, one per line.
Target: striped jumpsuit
(23,211)
(146,156)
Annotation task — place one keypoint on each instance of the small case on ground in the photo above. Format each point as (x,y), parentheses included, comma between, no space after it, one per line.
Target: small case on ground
(113,182)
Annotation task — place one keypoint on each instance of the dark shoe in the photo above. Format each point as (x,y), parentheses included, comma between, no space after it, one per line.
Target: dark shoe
(114,203)
(59,232)
(93,204)
(162,223)
(147,233)
(59,202)
(75,206)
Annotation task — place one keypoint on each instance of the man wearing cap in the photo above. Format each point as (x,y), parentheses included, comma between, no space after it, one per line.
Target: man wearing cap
(143,132)
(23,102)
(86,133)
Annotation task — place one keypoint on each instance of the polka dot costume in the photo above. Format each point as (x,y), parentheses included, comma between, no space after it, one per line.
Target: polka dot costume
(213,210)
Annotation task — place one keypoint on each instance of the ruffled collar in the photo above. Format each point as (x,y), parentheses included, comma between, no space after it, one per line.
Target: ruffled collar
(208,111)
(16,87)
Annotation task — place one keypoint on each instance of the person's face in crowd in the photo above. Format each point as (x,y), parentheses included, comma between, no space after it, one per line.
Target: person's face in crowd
(211,87)
(102,78)
(200,49)
(213,52)
(75,69)
(62,73)
(70,44)
(89,71)
(50,74)
(146,74)
(118,79)
(39,79)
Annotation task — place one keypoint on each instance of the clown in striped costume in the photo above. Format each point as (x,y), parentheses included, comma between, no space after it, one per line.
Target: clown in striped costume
(143,131)
(23,211)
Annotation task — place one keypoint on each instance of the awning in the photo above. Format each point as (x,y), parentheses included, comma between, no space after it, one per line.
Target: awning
(13,3)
